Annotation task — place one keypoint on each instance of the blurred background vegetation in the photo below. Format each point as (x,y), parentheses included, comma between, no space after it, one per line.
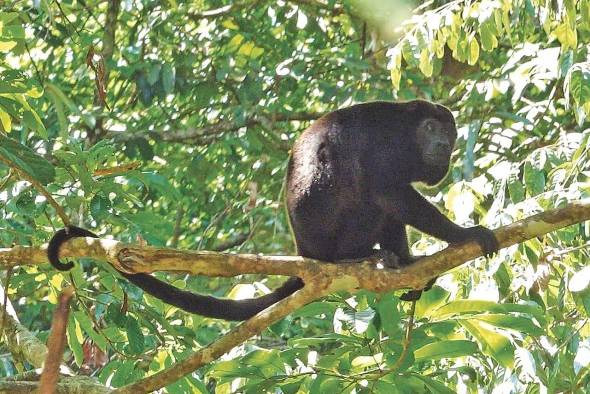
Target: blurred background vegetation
(170,122)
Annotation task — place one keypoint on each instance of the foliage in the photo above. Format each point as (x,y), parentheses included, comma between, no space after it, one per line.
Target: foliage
(191,153)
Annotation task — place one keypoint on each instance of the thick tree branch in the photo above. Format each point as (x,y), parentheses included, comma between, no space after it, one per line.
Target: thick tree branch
(108,37)
(216,129)
(22,343)
(73,385)
(132,258)
(320,278)
(56,343)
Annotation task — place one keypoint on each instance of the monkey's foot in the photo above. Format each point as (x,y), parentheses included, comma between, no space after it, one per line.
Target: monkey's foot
(414,295)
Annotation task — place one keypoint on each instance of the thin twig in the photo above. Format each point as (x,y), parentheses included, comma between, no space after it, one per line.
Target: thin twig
(41,189)
(5,301)
(407,339)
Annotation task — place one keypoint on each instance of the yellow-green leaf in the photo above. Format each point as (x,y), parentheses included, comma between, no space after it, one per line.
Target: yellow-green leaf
(256,52)
(487,37)
(229,24)
(567,36)
(6,46)
(495,344)
(396,76)
(506,23)
(5,121)
(585,14)
(367,361)
(246,49)
(445,349)
(34,93)
(473,52)
(235,42)
(425,63)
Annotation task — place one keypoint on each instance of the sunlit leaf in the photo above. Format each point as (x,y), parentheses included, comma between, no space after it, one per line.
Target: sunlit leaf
(26,160)
(477,307)
(6,46)
(445,349)
(473,52)
(580,280)
(493,343)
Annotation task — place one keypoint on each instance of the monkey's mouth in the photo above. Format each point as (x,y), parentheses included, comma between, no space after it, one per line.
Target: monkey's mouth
(437,160)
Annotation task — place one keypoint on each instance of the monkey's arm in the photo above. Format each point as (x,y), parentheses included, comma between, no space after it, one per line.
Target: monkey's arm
(416,211)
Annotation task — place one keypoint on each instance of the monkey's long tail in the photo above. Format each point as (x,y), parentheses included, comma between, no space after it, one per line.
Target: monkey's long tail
(207,306)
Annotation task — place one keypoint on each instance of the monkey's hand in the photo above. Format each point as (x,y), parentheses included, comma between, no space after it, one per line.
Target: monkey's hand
(484,237)
(414,295)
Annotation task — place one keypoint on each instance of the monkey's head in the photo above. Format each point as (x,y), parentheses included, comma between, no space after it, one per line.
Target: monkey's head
(435,138)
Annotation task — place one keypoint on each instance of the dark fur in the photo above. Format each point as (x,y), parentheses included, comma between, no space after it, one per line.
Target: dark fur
(348,188)
(349,181)
(194,303)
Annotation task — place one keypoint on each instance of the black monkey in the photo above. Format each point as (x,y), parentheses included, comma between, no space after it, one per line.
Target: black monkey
(348,188)
(349,182)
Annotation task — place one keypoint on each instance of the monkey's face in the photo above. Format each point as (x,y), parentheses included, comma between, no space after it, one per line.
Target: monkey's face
(435,140)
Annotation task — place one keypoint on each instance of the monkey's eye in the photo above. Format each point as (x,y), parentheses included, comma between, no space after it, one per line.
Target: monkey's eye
(429,126)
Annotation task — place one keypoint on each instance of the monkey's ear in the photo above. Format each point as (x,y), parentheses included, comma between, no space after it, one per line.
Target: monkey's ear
(412,106)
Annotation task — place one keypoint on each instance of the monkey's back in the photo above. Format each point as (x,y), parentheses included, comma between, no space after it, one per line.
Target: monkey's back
(341,167)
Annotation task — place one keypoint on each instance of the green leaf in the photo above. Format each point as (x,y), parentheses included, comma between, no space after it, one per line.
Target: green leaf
(6,46)
(446,349)
(534,179)
(430,300)
(487,37)
(154,74)
(33,121)
(434,386)
(168,78)
(124,373)
(26,160)
(516,189)
(204,94)
(134,335)
(75,340)
(6,87)
(510,322)
(315,309)
(5,121)
(473,52)
(425,63)
(61,116)
(161,184)
(61,96)
(99,206)
(577,87)
(567,35)
(585,14)
(493,343)
(478,307)
(389,314)
(87,326)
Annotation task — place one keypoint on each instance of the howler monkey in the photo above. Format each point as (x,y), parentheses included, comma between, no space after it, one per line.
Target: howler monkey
(348,188)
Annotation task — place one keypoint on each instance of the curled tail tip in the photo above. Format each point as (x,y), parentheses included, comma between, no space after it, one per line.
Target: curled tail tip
(58,239)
